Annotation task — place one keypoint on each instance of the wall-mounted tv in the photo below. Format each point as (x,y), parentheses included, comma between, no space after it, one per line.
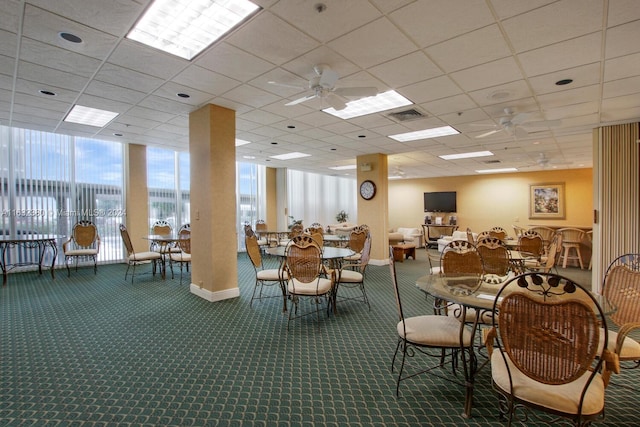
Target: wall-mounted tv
(440,201)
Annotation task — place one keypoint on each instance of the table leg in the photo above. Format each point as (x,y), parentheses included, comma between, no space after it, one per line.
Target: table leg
(3,264)
(469,366)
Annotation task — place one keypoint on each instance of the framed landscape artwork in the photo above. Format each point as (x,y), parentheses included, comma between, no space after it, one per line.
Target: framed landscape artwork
(546,201)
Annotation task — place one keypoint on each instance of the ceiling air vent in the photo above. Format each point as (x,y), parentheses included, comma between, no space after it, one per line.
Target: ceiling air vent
(491,162)
(406,115)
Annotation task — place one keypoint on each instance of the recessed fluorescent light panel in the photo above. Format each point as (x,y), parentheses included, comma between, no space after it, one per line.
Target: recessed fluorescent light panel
(289,156)
(424,134)
(343,168)
(497,170)
(186,27)
(468,155)
(395,177)
(369,105)
(240,142)
(89,116)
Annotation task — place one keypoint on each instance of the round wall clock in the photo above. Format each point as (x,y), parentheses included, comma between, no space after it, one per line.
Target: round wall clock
(367,189)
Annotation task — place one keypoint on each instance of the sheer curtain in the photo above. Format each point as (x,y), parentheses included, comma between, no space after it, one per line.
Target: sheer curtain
(168,181)
(250,197)
(319,198)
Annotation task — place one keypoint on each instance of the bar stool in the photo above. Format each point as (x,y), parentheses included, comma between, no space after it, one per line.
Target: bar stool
(571,239)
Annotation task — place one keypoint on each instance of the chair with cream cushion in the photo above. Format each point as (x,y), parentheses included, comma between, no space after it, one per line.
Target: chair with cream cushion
(265,277)
(621,288)
(435,336)
(543,350)
(352,275)
(83,243)
(305,279)
(182,258)
(135,259)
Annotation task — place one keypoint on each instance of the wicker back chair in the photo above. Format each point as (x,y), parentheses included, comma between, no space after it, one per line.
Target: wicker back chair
(264,277)
(483,235)
(357,238)
(546,354)
(621,288)
(183,257)
(547,233)
(495,257)
(352,275)
(531,244)
(162,228)
(305,279)
(498,232)
(461,258)
(83,243)
(437,337)
(135,259)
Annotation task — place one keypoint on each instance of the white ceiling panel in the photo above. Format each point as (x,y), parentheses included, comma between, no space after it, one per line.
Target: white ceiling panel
(462,63)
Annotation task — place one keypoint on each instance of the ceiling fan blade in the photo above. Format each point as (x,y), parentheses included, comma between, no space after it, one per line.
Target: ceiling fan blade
(300,100)
(520,118)
(543,123)
(356,92)
(286,85)
(491,132)
(336,102)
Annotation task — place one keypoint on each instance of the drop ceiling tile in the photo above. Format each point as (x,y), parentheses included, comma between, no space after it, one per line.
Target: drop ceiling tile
(477,47)
(271,39)
(116,93)
(564,55)
(8,44)
(559,21)
(57,58)
(508,8)
(429,90)
(622,40)
(146,60)
(569,97)
(622,11)
(116,19)
(621,87)
(33,88)
(406,70)
(41,102)
(428,23)
(205,80)
(102,103)
(149,113)
(250,95)
(504,93)
(389,44)
(124,77)
(166,105)
(488,75)
(46,27)
(232,62)
(621,67)
(337,19)
(584,75)
(170,90)
(49,77)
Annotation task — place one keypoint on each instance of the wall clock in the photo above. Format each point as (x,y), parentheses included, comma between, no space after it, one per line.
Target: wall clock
(367,189)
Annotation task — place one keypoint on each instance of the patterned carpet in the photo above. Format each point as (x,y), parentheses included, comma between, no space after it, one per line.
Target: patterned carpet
(96,350)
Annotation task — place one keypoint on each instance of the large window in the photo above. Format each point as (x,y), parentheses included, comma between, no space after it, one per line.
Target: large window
(319,198)
(51,181)
(250,197)
(168,184)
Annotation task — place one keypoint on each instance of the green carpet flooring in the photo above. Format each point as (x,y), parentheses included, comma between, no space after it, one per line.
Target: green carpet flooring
(96,350)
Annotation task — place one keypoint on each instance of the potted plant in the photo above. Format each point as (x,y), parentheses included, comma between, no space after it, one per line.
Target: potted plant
(293,221)
(342,216)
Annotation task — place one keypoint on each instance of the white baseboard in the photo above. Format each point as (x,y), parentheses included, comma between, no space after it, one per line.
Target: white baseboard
(214,296)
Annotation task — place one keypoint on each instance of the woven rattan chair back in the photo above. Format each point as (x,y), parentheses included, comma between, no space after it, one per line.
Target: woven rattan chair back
(356,239)
(186,226)
(253,251)
(304,261)
(318,237)
(85,234)
(296,230)
(498,232)
(483,235)
(495,256)
(460,258)
(547,233)
(531,244)
(126,240)
(549,327)
(184,241)
(621,287)
(248,231)
(261,226)
(161,227)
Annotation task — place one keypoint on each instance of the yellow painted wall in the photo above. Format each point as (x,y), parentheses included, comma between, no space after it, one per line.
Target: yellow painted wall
(485,201)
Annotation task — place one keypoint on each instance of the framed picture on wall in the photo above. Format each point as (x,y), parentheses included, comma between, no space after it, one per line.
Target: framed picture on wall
(546,201)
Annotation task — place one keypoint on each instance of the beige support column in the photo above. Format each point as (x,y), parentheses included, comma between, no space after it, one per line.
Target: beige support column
(137,196)
(375,212)
(214,247)
(272,199)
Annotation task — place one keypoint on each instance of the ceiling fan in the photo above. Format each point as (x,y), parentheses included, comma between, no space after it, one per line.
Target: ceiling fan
(516,124)
(544,162)
(322,86)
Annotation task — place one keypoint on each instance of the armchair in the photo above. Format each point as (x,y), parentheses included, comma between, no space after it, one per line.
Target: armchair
(407,235)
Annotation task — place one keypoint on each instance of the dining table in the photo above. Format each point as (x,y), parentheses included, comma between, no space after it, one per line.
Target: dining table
(472,292)
(164,243)
(330,254)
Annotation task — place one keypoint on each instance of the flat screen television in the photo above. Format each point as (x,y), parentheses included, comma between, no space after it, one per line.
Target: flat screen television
(440,201)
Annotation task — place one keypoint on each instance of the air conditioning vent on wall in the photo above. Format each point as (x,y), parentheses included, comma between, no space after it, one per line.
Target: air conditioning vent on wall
(406,115)
(491,162)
